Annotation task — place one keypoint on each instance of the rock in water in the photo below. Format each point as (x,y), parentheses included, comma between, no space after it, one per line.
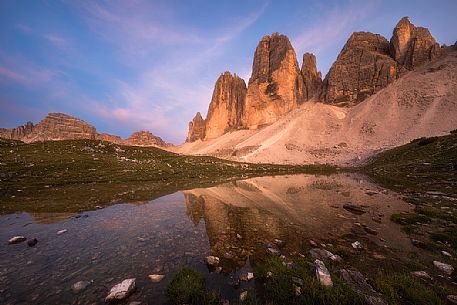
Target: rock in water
(62,231)
(311,78)
(32,242)
(121,290)
(276,84)
(196,129)
(412,46)
(445,268)
(79,286)
(16,240)
(227,105)
(363,67)
(155,278)
(212,261)
(322,273)
(354,208)
(359,284)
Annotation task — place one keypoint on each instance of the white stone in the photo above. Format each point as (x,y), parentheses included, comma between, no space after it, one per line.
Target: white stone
(322,273)
(121,290)
(16,239)
(445,253)
(62,231)
(445,268)
(243,296)
(422,274)
(212,260)
(357,245)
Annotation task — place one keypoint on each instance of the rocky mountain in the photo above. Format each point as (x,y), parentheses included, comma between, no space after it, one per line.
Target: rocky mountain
(196,129)
(367,63)
(412,46)
(145,138)
(311,78)
(362,68)
(276,84)
(16,133)
(226,107)
(60,126)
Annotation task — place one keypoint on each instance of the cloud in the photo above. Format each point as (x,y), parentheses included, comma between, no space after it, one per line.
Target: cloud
(57,40)
(332,26)
(22,71)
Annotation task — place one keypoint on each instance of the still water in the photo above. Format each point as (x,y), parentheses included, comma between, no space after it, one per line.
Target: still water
(233,221)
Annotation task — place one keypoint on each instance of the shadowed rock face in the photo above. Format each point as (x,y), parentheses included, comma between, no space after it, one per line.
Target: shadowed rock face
(311,78)
(16,133)
(145,138)
(59,126)
(196,129)
(363,67)
(412,46)
(226,107)
(276,84)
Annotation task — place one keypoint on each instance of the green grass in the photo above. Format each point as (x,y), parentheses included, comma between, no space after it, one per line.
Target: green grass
(188,287)
(76,175)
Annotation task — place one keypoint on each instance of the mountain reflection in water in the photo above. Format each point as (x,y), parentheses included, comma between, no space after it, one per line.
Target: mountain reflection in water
(233,221)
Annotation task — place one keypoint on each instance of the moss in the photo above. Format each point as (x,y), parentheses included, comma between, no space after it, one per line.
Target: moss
(410,218)
(188,287)
(405,289)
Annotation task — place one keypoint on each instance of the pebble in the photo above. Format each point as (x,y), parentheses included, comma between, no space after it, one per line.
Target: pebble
(422,275)
(452,299)
(62,231)
(212,260)
(155,278)
(16,240)
(121,290)
(357,245)
(273,251)
(247,276)
(79,286)
(243,296)
(445,253)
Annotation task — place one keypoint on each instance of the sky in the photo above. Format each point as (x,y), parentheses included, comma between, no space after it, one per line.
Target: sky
(124,66)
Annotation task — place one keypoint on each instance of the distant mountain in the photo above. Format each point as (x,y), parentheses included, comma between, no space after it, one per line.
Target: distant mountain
(60,126)
(377,95)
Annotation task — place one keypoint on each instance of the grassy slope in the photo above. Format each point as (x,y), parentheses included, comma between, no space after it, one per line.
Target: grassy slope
(71,176)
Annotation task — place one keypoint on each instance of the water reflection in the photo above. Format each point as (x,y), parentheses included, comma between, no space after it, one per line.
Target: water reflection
(232,221)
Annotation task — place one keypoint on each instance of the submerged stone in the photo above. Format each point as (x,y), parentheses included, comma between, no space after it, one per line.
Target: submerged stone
(16,240)
(121,290)
(79,286)
(212,261)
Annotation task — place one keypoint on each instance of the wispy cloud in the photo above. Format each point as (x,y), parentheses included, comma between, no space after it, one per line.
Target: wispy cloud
(334,23)
(57,40)
(23,71)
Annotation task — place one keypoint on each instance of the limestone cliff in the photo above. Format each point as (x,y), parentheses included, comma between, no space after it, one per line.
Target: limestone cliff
(276,84)
(196,129)
(16,133)
(412,46)
(227,105)
(363,67)
(145,138)
(311,78)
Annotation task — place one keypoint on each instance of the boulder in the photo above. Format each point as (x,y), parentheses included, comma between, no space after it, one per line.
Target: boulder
(121,290)
(322,273)
(196,128)
(413,46)
(227,105)
(360,285)
(363,67)
(276,85)
(443,267)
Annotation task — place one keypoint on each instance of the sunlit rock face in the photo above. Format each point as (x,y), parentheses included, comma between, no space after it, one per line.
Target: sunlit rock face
(16,133)
(227,105)
(363,67)
(412,46)
(109,138)
(145,138)
(196,129)
(60,126)
(276,84)
(311,78)
(242,216)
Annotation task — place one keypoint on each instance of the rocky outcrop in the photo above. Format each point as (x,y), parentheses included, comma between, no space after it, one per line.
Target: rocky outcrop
(311,78)
(59,126)
(276,84)
(109,138)
(16,133)
(145,138)
(227,105)
(196,129)
(412,46)
(363,67)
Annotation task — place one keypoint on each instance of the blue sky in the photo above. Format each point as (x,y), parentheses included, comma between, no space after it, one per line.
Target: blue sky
(123,66)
